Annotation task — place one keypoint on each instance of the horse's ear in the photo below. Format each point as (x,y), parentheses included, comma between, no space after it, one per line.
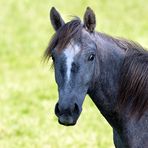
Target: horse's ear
(89,20)
(56,19)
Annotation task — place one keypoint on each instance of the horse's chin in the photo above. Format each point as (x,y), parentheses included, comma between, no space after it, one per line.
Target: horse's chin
(67,124)
(67,120)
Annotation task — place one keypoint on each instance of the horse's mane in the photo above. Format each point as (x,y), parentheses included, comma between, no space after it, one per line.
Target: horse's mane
(134,82)
(134,71)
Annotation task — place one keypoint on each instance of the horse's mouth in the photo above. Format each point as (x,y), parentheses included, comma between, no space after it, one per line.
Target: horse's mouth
(66,120)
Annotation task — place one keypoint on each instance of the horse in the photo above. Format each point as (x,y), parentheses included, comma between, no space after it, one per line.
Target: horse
(113,71)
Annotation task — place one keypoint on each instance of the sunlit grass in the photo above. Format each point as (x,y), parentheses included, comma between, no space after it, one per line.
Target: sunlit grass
(27,88)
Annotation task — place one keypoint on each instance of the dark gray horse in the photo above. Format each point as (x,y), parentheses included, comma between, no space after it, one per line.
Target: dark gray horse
(112,71)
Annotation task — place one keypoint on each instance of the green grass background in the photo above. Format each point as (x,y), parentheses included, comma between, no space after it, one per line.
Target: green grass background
(27,89)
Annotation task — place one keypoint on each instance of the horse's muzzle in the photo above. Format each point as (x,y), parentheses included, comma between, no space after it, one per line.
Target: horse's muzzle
(69,116)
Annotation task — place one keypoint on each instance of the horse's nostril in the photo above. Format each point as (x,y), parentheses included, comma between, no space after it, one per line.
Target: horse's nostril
(57,111)
(76,108)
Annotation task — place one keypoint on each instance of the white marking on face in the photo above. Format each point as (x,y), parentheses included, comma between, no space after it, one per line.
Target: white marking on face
(70,52)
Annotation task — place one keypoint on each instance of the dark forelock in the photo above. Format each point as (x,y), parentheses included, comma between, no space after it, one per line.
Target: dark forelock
(63,36)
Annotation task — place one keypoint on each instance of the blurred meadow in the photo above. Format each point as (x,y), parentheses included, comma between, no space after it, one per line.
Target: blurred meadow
(28,91)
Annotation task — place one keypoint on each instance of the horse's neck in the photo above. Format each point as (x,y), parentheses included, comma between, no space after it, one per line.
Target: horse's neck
(104,94)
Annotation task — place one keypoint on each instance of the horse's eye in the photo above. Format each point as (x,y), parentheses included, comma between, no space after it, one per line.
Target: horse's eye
(53,59)
(91,57)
